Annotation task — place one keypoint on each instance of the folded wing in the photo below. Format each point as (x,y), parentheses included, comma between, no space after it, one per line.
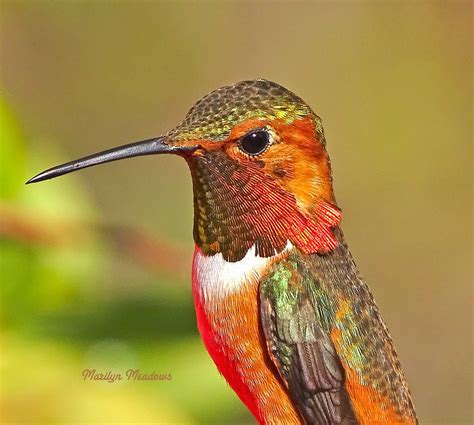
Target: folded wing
(301,349)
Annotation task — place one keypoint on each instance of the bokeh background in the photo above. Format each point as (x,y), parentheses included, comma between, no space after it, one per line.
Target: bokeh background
(95,266)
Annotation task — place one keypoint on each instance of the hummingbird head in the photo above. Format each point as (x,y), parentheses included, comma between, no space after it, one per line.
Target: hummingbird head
(261,173)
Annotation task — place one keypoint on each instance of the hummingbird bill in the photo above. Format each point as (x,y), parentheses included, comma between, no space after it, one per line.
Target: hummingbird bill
(280,304)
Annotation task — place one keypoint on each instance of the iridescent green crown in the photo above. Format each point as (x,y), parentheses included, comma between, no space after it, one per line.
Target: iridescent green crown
(213,117)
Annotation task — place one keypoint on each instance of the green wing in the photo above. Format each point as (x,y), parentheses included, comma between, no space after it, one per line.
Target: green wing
(301,348)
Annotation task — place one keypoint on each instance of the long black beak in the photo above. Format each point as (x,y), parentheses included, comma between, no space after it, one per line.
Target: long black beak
(145,147)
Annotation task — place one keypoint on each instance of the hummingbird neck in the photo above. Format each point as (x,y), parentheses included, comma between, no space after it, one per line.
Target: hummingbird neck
(237,208)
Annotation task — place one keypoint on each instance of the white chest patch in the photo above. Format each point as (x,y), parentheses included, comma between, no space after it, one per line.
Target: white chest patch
(219,278)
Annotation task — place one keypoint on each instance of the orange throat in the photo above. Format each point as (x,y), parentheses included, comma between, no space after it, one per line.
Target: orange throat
(228,320)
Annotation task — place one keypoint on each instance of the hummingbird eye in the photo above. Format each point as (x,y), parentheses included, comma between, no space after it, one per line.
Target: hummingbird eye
(255,142)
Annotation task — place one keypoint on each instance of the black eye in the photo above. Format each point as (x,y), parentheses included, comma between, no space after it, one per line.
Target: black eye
(255,142)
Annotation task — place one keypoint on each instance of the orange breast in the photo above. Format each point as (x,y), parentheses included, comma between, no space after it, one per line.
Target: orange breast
(229,327)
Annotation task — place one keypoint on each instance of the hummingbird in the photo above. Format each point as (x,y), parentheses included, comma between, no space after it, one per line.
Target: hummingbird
(280,304)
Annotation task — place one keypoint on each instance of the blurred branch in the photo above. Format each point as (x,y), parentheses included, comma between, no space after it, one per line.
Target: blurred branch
(18,225)
(157,255)
(151,252)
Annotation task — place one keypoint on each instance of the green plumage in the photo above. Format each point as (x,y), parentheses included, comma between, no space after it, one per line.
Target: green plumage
(304,299)
(214,116)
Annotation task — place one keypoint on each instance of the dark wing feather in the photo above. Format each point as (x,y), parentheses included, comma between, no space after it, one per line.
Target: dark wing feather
(301,350)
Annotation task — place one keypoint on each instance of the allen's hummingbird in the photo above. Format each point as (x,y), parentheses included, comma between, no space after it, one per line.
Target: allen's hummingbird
(280,304)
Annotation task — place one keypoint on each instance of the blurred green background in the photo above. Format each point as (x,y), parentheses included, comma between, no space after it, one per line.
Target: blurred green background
(95,266)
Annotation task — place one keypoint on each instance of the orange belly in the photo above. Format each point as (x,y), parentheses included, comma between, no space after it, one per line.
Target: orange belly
(231,333)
